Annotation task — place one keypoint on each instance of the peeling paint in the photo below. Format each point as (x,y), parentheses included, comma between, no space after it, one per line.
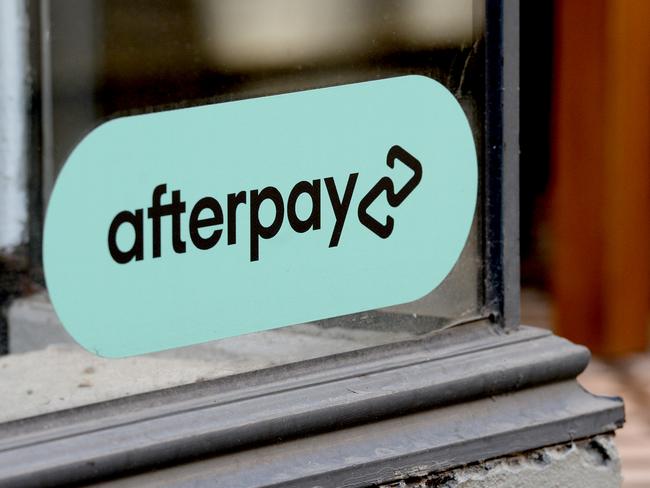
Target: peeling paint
(589,463)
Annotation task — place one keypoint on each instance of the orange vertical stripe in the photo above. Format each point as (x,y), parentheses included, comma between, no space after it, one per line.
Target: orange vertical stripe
(601,173)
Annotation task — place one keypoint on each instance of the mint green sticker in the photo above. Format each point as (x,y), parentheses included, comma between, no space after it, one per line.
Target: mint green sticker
(185,226)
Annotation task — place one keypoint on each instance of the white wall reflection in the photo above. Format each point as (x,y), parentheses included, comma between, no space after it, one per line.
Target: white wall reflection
(254,34)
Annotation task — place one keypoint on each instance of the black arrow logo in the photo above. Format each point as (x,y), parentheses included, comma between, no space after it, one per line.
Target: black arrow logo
(385,184)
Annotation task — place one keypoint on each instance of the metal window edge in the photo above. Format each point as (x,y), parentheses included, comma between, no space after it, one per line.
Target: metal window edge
(501,172)
(356,393)
(406,447)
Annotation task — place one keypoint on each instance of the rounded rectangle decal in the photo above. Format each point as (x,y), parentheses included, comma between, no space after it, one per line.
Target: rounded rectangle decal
(185,226)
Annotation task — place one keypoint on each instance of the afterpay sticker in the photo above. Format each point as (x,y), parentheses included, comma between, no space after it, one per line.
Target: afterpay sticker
(185,226)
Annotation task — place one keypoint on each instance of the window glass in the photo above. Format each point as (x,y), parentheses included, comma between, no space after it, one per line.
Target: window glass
(102,59)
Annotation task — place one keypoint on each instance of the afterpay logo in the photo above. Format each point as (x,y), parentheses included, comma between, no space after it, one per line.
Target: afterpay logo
(179,227)
(207,224)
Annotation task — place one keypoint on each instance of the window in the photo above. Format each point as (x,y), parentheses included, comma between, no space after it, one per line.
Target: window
(97,60)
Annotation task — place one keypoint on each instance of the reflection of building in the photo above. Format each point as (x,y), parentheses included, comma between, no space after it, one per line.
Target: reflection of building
(253,35)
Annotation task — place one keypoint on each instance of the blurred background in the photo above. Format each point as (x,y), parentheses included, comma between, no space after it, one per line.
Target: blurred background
(585,195)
